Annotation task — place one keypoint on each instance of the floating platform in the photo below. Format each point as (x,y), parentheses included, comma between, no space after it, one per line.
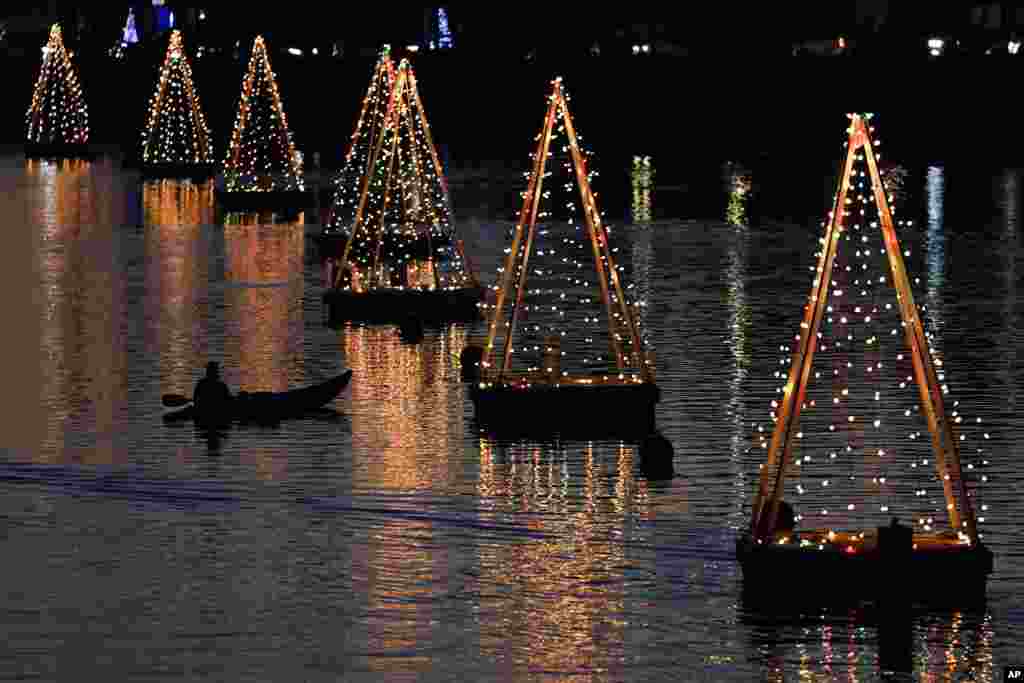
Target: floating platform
(59,150)
(588,408)
(933,568)
(395,305)
(282,200)
(195,172)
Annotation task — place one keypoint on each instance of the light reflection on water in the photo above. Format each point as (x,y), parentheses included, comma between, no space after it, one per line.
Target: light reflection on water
(176,259)
(396,539)
(82,345)
(263,299)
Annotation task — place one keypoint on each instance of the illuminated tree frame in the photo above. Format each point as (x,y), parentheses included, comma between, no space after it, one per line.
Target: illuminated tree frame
(622,318)
(262,155)
(176,130)
(767,503)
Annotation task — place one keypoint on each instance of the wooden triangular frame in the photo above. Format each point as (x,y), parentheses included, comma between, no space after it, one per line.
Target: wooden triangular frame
(944,443)
(385,69)
(53,51)
(203,148)
(259,53)
(527,224)
(402,100)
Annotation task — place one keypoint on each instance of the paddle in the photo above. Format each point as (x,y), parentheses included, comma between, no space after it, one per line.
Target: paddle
(174,400)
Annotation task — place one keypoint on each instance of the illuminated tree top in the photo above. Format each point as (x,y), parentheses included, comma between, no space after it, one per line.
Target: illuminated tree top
(397,211)
(262,155)
(58,113)
(559,328)
(860,306)
(176,130)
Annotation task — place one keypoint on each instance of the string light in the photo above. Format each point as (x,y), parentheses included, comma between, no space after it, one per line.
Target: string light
(58,113)
(391,201)
(847,317)
(176,130)
(262,155)
(578,298)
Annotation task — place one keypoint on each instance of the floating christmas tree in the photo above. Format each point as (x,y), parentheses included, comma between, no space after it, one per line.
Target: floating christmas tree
(400,231)
(870,391)
(58,114)
(573,358)
(576,322)
(176,132)
(262,156)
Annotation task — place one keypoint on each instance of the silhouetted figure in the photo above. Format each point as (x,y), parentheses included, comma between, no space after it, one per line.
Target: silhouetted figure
(212,396)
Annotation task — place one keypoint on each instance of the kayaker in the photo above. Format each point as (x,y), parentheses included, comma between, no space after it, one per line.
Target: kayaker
(212,394)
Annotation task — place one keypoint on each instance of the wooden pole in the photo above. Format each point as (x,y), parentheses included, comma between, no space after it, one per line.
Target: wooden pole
(432,210)
(595,241)
(439,170)
(947,457)
(383,63)
(796,386)
(514,317)
(369,172)
(243,114)
(195,111)
(506,279)
(389,179)
(590,207)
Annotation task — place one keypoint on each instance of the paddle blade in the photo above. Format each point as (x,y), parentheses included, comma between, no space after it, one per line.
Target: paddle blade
(175,400)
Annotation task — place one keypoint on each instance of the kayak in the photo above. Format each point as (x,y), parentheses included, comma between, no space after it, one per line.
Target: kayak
(269,406)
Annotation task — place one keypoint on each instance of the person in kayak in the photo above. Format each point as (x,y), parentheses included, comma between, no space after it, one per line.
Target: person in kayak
(211,395)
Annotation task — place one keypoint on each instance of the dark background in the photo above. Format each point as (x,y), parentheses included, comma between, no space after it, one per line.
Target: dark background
(739,93)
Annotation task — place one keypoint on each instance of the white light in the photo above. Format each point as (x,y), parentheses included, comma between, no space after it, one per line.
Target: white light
(935,43)
(295,51)
(636,49)
(202,15)
(934,52)
(646,48)
(315,51)
(1013,46)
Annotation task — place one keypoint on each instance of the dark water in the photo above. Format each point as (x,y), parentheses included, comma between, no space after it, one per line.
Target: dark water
(390,540)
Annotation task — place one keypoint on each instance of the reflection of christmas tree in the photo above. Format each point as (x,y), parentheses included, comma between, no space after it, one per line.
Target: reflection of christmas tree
(58,113)
(364,140)
(262,155)
(401,232)
(176,132)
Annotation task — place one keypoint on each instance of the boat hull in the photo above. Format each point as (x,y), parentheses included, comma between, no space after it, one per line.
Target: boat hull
(589,411)
(953,575)
(267,406)
(394,305)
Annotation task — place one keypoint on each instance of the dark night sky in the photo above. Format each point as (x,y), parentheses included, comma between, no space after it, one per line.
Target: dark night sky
(519,26)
